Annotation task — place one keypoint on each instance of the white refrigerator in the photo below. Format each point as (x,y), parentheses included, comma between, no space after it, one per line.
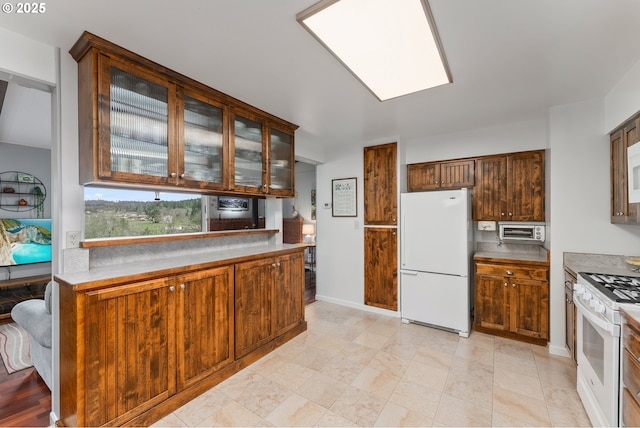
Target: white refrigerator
(436,249)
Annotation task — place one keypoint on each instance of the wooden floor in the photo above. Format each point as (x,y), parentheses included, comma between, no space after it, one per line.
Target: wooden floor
(25,399)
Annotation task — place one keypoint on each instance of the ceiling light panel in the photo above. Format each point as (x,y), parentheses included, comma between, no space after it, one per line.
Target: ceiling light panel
(391,46)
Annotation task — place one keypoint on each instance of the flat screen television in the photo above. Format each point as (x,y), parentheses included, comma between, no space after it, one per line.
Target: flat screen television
(24,241)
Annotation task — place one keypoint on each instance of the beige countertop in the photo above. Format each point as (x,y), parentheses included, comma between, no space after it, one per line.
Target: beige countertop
(515,252)
(596,263)
(168,265)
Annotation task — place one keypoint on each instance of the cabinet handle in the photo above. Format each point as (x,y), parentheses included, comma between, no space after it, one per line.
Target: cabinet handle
(172,288)
(173,175)
(182,175)
(509,272)
(182,286)
(510,214)
(278,264)
(513,285)
(502,213)
(437,182)
(273,265)
(393,233)
(638,358)
(506,284)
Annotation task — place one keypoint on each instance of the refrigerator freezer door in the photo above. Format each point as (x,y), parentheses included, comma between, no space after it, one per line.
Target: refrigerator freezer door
(438,300)
(436,232)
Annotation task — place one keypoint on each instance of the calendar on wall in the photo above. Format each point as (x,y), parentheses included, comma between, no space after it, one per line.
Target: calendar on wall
(344,197)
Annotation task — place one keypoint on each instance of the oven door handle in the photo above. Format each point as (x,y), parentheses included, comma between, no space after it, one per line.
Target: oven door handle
(610,328)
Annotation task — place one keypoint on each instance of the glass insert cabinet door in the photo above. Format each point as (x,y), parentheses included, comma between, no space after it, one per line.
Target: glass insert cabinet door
(281,177)
(138,141)
(202,141)
(248,157)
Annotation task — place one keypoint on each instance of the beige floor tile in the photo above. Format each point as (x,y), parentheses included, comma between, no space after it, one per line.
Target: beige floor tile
(434,357)
(562,397)
(201,407)
(516,382)
(296,411)
(442,341)
(268,364)
(385,326)
(523,366)
(371,339)
(291,375)
(231,415)
(520,406)
(342,369)
(387,362)
(393,415)
(329,341)
(322,389)
(377,382)
(478,352)
(454,412)
(358,353)
(171,420)
(313,358)
(403,349)
(419,398)
(238,383)
(358,406)
(263,397)
(426,375)
(474,389)
(563,417)
(557,375)
(331,419)
(500,420)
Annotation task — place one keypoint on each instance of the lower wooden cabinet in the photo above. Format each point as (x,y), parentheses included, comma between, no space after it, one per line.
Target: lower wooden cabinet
(131,352)
(570,315)
(630,391)
(512,300)
(381,267)
(269,300)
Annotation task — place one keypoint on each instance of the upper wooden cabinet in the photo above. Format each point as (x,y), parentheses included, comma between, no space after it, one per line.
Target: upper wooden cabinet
(440,175)
(622,212)
(380,185)
(510,187)
(141,124)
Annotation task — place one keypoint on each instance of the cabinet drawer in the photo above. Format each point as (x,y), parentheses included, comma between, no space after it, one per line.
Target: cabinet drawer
(511,271)
(631,375)
(632,341)
(630,410)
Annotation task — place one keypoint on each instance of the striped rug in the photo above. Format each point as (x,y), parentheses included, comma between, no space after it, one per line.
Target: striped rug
(14,347)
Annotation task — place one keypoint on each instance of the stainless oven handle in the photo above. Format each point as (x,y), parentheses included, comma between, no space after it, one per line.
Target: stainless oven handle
(610,328)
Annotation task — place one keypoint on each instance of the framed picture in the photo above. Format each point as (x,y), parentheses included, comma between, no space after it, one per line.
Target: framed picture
(344,197)
(232,204)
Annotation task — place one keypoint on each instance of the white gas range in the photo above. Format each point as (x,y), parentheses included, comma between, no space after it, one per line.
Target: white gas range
(598,299)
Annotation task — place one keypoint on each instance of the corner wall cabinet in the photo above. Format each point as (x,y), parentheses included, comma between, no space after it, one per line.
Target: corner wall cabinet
(512,299)
(622,212)
(134,350)
(142,124)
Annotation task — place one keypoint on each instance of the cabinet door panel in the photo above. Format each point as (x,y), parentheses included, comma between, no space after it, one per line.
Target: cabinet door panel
(380,185)
(490,193)
(248,152)
(491,309)
(457,174)
(631,135)
(136,124)
(618,177)
(525,187)
(529,308)
(253,308)
(423,176)
(289,292)
(129,351)
(204,323)
(381,268)
(281,162)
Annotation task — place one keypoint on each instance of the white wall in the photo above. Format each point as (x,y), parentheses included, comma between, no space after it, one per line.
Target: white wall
(28,58)
(622,101)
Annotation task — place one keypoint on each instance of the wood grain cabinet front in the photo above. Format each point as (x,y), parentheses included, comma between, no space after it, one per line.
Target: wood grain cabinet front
(622,212)
(512,300)
(455,174)
(141,124)
(510,187)
(630,369)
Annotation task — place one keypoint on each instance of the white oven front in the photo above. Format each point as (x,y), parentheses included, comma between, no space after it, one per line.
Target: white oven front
(598,355)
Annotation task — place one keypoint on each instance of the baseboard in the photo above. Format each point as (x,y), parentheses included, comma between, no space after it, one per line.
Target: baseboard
(561,351)
(360,306)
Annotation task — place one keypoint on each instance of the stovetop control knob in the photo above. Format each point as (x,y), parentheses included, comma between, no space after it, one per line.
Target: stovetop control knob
(587,295)
(594,303)
(599,308)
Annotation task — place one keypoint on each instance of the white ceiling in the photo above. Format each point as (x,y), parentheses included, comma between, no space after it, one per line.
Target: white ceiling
(510,59)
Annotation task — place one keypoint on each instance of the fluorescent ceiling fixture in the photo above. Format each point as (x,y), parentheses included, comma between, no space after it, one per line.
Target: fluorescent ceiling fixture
(391,46)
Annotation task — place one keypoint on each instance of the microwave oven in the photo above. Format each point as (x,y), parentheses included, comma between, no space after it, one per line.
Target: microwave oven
(633,173)
(517,231)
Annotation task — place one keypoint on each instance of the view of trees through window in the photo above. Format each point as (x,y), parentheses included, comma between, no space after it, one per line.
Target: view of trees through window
(114,212)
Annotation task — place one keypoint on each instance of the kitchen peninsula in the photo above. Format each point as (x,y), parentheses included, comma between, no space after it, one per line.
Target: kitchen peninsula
(141,338)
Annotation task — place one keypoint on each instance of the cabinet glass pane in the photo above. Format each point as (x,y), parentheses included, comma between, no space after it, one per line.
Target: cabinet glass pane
(280,160)
(248,156)
(138,125)
(202,141)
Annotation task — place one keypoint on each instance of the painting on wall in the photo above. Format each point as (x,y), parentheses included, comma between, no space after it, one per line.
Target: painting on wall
(233,204)
(313,204)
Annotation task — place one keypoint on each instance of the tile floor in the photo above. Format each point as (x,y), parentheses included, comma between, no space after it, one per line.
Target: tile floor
(355,368)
